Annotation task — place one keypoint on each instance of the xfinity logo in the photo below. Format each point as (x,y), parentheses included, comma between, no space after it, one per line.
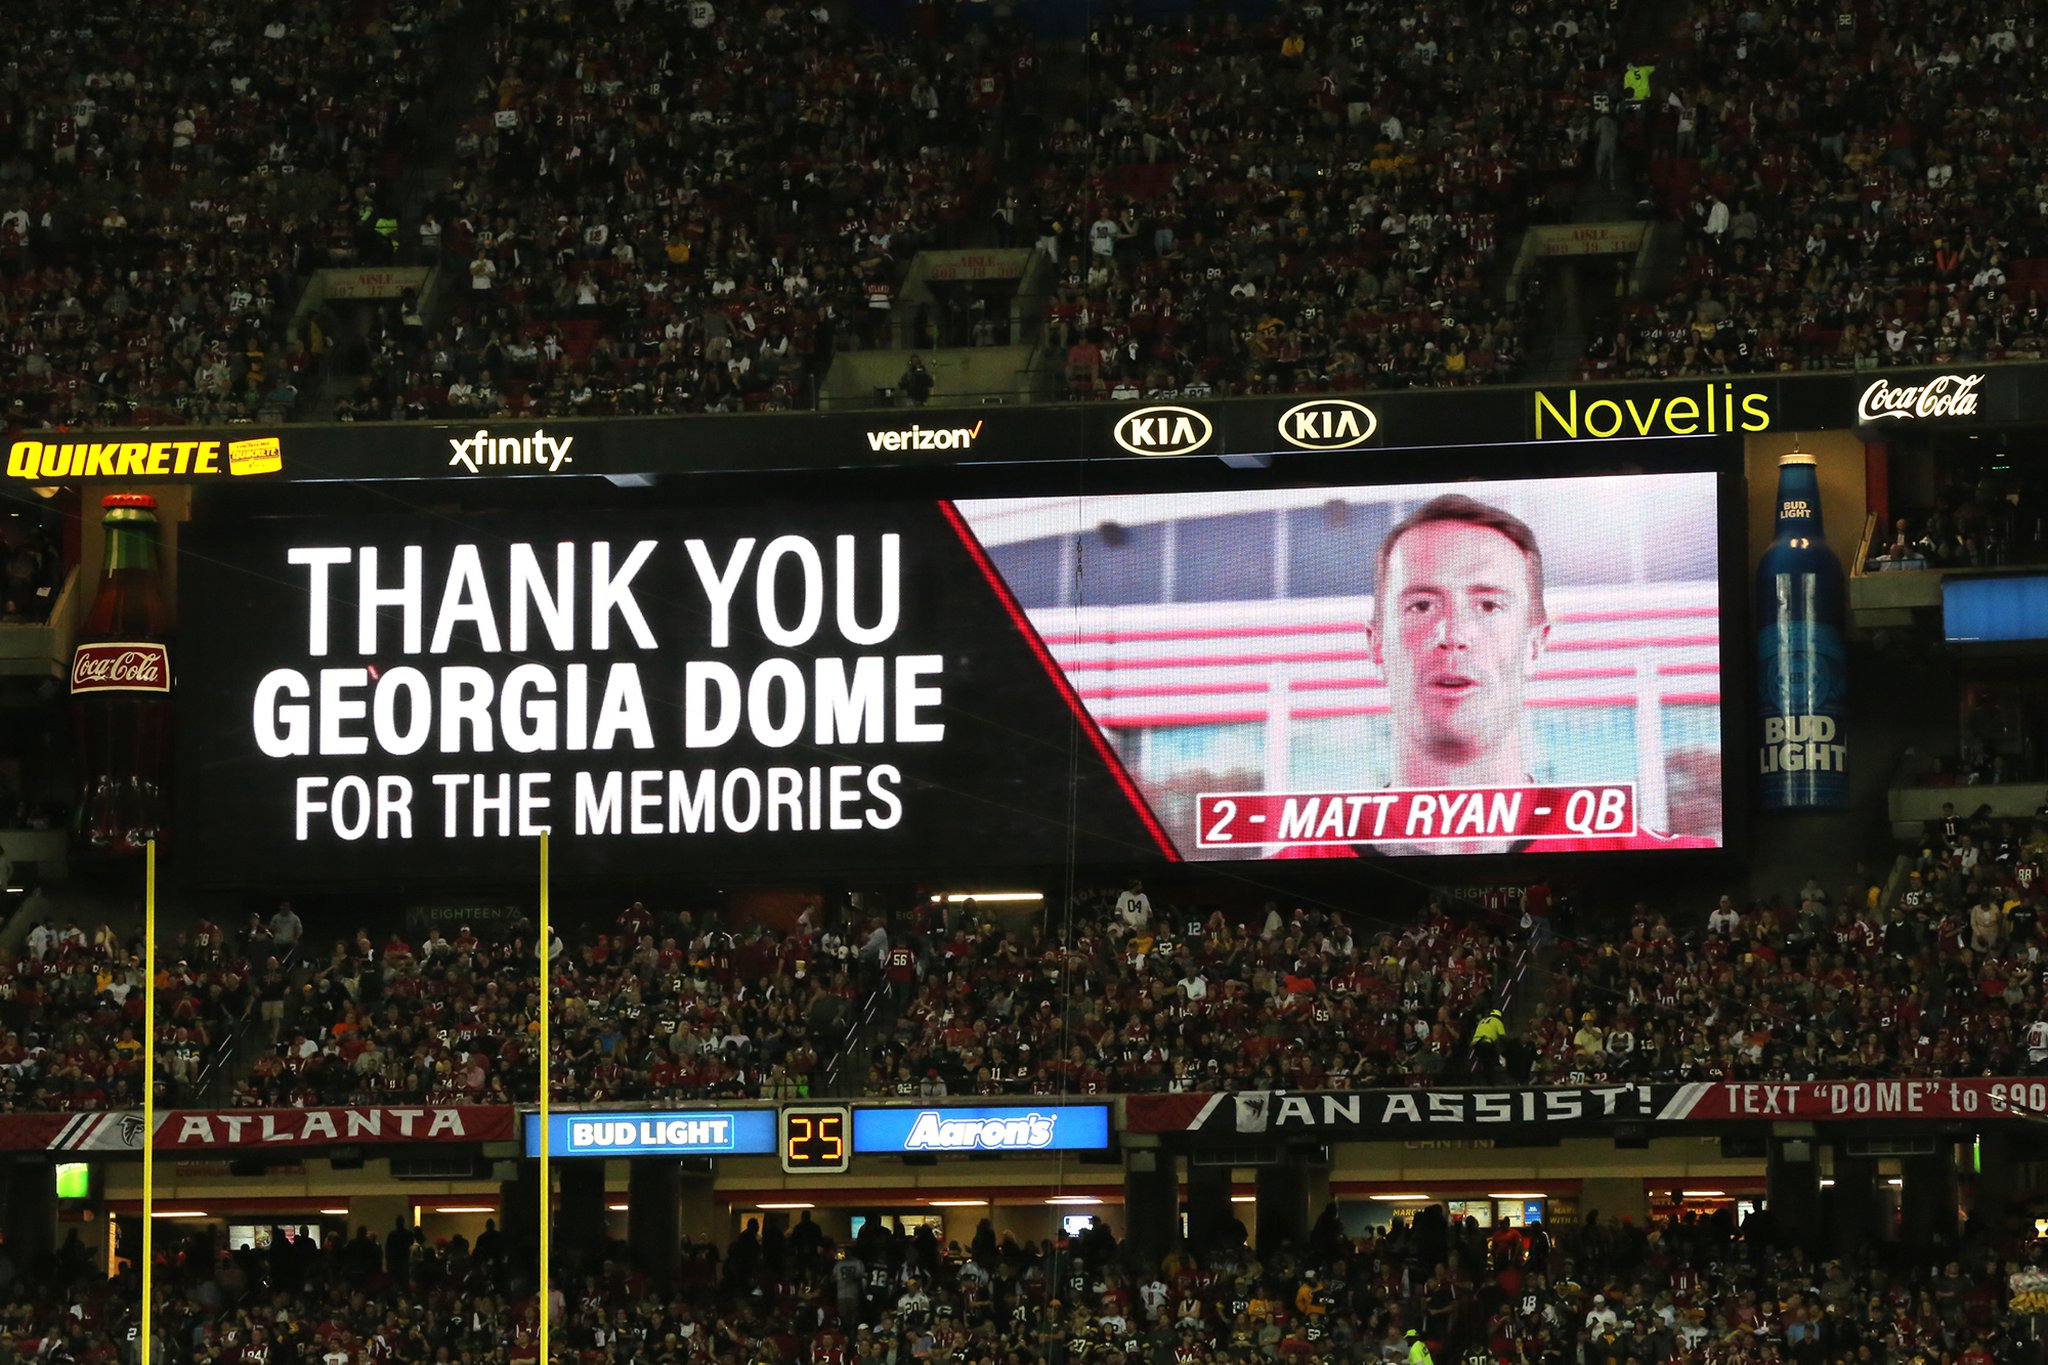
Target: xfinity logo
(1163,431)
(1328,424)
(1948,395)
(539,450)
(924,438)
(934,1132)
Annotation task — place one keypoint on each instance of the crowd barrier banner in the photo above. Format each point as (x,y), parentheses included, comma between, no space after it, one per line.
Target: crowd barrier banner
(1248,430)
(1024,1126)
(1975,1098)
(1338,1115)
(253,1130)
(1364,1115)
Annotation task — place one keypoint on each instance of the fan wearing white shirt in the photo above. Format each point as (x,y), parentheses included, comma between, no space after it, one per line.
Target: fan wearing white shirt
(1134,908)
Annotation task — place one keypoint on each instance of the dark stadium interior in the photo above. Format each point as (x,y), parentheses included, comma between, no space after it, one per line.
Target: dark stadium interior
(918,537)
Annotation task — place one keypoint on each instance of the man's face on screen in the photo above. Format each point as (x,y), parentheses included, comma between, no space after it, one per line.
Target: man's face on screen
(1453,634)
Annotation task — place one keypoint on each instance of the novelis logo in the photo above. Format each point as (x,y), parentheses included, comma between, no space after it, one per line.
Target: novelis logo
(917,437)
(1712,409)
(934,1132)
(121,666)
(1328,424)
(1163,431)
(1947,395)
(485,451)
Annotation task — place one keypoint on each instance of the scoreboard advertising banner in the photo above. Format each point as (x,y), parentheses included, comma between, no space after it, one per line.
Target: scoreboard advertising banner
(1322,672)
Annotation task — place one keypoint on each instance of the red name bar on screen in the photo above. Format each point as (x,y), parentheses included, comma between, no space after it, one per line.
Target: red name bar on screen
(1414,815)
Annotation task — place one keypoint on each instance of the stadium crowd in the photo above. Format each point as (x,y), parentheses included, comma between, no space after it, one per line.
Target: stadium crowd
(70,1020)
(702,1013)
(1202,235)
(1969,524)
(1944,978)
(692,207)
(1847,198)
(1140,999)
(1686,1288)
(1288,204)
(166,178)
(689,207)
(1940,976)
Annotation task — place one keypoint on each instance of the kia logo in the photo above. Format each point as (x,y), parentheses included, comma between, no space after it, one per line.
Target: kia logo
(1163,431)
(1328,424)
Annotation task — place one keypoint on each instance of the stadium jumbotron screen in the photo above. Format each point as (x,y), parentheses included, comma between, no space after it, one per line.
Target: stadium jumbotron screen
(1498,666)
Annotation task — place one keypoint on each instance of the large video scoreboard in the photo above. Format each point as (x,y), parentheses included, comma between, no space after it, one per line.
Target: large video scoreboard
(1332,661)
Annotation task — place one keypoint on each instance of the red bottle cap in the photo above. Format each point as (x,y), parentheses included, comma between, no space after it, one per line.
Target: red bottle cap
(141,501)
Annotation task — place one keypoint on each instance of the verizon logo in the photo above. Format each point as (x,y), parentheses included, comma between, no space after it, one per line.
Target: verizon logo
(924,438)
(121,666)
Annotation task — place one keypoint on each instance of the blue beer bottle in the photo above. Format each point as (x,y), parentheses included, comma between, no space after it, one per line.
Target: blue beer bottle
(1802,665)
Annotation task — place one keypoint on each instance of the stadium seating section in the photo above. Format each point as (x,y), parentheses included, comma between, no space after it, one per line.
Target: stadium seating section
(1931,974)
(673,208)
(1674,1289)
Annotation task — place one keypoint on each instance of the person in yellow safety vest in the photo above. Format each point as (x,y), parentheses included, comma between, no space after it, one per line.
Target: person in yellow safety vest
(1486,1040)
(1418,1349)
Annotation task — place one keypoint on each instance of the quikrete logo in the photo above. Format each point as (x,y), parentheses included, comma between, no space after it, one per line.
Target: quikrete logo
(1163,431)
(916,437)
(485,451)
(54,461)
(1328,424)
(1712,409)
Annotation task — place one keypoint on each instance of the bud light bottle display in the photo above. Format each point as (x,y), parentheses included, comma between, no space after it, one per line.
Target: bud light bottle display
(121,687)
(1802,673)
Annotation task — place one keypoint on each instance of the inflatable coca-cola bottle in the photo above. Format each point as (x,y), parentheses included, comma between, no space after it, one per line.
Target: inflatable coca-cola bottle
(121,688)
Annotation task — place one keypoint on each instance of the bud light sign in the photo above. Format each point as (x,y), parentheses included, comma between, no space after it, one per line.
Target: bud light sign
(1802,675)
(121,666)
(742,1132)
(1011,1128)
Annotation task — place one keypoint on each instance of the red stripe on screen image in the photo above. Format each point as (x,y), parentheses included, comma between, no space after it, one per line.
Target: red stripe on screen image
(1187,689)
(1638,642)
(1059,679)
(1641,614)
(1691,699)
(1357,656)
(1175,720)
(1117,637)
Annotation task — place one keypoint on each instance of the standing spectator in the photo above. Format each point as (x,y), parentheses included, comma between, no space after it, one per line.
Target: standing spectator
(1725,919)
(1134,908)
(1717,220)
(271,994)
(1606,135)
(286,928)
(916,382)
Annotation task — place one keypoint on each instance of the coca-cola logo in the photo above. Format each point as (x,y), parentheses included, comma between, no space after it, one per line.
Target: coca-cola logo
(121,666)
(1948,395)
